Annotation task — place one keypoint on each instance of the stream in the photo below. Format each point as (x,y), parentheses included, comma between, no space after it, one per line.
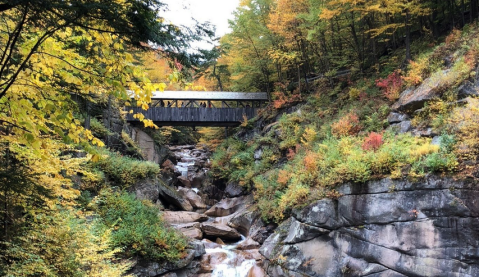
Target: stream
(228,253)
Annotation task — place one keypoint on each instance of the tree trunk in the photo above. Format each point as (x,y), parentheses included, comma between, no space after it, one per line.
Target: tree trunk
(408,38)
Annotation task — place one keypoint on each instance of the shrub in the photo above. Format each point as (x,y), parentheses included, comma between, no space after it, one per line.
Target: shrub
(373,141)
(354,93)
(138,228)
(347,125)
(391,85)
(61,244)
(463,122)
(125,171)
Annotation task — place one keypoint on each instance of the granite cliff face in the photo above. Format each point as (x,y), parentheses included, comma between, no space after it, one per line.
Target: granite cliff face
(382,228)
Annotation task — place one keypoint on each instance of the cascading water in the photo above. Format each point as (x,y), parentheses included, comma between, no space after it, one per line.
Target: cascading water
(226,260)
(235,265)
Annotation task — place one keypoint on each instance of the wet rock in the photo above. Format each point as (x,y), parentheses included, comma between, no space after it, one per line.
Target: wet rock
(252,254)
(197,179)
(191,230)
(219,241)
(221,231)
(256,271)
(228,206)
(211,260)
(152,268)
(233,189)
(194,199)
(184,181)
(248,244)
(183,217)
(168,165)
(172,197)
(209,244)
(199,248)
(244,220)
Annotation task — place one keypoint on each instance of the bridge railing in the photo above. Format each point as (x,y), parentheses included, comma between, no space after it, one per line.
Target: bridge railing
(195,116)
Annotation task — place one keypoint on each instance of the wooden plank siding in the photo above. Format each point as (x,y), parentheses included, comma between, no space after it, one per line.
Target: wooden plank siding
(194,116)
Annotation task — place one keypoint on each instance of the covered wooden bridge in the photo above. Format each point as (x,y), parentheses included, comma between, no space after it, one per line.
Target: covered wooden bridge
(200,108)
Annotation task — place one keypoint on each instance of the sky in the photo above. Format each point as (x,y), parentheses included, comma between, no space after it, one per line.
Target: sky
(217,12)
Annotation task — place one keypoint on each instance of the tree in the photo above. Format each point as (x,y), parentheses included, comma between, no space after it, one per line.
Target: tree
(50,50)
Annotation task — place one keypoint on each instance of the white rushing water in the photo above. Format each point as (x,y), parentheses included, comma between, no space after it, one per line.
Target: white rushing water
(233,266)
(187,161)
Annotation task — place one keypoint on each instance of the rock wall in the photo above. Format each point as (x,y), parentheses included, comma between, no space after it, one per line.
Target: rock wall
(150,151)
(382,228)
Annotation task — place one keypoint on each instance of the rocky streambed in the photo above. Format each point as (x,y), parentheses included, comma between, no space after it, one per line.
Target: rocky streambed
(225,232)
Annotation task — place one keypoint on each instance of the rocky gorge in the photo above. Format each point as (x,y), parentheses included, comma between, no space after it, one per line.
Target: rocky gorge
(423,227)
(225,234)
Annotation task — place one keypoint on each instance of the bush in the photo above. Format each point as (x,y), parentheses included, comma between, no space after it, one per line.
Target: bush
(138,228)
(391,86)
(373,141)
(61,244)
(346,126)
(124,171)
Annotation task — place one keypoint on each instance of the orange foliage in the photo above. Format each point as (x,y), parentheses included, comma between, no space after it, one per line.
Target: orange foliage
(471,57)
(283,177)
(310,161)
(281,99)
(347,125)
(454,36)
(373,141)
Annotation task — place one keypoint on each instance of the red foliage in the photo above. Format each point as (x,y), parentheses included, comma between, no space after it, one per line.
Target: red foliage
(373,141)
(391,85)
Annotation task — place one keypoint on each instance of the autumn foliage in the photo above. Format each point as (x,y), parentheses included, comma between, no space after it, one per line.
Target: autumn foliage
(373,141)
(346,125)
(391,85)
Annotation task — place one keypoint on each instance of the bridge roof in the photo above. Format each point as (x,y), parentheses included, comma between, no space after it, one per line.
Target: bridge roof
(210,95)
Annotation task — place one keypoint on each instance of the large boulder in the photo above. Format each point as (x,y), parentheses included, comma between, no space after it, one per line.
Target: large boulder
(194,199)
(234,189)
(191,230)
(248,244)
(228,206)
(183,217)
(146,189)
(428,227)
(171,196)
(197,179)
(211,260)
(152,268)
(414,98)
(185,181)
(221,231)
